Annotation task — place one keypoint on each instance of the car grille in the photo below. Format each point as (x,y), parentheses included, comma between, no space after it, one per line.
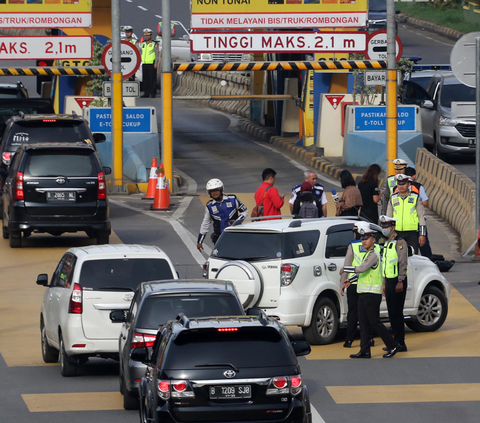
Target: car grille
(466,130)
(230,57)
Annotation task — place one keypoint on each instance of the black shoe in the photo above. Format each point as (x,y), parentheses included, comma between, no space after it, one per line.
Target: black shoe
(348,344)
(361,355)
(391,353)
(372,342)
(401,348)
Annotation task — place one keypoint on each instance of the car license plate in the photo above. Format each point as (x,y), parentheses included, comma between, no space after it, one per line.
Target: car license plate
(472,142)
(61,196)
(230,392)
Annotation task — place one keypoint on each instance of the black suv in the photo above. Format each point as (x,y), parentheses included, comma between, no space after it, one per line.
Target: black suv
(55,188)
(232,369)
(39,128)
(153,305)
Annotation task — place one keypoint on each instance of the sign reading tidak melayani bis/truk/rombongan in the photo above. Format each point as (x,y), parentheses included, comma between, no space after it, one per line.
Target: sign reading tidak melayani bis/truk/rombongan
(247,14)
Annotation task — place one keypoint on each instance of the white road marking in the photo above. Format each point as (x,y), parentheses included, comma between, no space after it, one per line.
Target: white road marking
(316,417)
(143,8)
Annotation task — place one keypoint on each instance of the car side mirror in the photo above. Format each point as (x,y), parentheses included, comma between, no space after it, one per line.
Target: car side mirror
(139,354)
(107,170)
(301,348)
(99,137)
(118,316)
(42,279)
(254,312)
(428,104)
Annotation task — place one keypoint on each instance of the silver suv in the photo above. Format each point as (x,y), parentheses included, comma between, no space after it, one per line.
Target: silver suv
(290,269)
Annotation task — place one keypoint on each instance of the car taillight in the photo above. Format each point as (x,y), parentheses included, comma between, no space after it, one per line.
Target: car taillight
(180,386)
(288,273)
(75,305)
(143,340)
(7,157)
(284,385)
(280,382)
(49,120)
(182,389)
(19,194)
(102,187)
(296,383)
(205,269)
(164,389)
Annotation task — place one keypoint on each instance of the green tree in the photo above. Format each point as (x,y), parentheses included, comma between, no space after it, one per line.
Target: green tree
(95,84)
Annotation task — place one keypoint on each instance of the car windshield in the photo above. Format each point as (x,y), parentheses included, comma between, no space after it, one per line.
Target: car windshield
(122,273)
(55,162)
(157,310)
(252,246)
(47,130)
(245,347)
(456,92)
(377,5)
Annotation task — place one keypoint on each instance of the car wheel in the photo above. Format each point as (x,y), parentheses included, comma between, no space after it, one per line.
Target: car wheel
(130,401)
(102,237)
(49,354)
(15,239)
(432,311)
(324,325)
(436,150)
(68,366)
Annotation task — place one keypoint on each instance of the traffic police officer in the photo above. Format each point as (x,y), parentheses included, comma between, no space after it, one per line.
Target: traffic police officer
(406,207)
(395,269)
(129,35)
(391,183)
(370,288)
(318,191)
(150,58)
(222,210)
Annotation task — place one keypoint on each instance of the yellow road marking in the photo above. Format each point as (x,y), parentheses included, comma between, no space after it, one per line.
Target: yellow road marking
(78,401)
(382,394)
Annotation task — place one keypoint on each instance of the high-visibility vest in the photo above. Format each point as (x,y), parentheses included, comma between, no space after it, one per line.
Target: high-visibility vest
(405,210)
(133,41)
(148,53)
(371,281)
(391,184)
(359,253)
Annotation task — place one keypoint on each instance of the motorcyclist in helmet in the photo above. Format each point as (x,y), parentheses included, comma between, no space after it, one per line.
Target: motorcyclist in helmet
(222,210)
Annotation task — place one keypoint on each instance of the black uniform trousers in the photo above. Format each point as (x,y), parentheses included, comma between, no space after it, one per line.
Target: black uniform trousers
(411,238)
(352,315)
(395,304)
(149,79)
(369,317)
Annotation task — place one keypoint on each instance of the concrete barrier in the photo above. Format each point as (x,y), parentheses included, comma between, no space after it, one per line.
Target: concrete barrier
(451,194)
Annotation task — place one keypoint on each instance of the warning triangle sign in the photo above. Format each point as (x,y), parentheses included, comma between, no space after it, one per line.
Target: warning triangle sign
(334,99)
(83,101)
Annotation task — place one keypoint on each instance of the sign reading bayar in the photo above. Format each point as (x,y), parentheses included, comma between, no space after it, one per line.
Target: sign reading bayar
(244,14)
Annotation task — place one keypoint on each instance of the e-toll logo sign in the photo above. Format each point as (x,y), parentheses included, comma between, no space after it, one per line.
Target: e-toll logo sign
(264,42)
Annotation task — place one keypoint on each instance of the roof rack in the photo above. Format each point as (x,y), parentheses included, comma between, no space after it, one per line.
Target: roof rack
(183,320)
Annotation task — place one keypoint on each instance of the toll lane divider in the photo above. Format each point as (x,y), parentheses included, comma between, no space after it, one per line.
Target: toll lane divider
(51,70)
(451,194)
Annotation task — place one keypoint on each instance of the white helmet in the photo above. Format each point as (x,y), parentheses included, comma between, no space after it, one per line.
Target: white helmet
(214,184)
(364,228)
(127,28)
(387,220)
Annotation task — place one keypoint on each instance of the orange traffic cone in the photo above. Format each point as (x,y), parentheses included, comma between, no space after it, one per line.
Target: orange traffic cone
(152,181)
(162,197)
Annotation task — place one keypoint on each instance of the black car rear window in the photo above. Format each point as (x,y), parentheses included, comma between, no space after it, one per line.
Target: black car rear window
(266,246)
(122,274)
(157,310)
(47,130)
(247,347)
(55,162)
(6,92)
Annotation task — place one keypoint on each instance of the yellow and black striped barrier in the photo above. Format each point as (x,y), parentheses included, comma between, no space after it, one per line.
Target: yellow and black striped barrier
(53,70)
(268,66)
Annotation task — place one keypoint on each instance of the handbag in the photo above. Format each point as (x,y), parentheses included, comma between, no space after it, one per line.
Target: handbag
(257,211)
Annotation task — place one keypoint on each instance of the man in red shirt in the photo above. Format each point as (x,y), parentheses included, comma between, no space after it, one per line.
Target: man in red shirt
(268,195)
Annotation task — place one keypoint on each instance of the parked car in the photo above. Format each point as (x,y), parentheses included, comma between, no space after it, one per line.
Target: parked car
(55,188)
(290,269)
(153,304)
(89,283)
(235,369)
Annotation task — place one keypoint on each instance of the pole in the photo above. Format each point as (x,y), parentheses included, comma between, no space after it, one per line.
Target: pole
(167,144)
(477,135)
(391,89)
(117,109)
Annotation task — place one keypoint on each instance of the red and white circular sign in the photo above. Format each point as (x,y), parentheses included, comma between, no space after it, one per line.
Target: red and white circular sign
(129,55)
(377,46)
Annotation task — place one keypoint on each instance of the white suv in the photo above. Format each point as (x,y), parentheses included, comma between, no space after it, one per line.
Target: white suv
(290,268)
(89,283)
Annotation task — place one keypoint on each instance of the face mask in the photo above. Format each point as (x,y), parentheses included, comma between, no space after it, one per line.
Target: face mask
(387,231)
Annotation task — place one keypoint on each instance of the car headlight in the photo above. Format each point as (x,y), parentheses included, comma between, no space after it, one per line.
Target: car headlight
(446,121)
(204,56)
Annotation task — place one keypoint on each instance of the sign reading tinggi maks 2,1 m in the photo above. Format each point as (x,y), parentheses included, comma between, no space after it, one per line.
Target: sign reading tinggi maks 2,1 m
(45,14)
(245,14)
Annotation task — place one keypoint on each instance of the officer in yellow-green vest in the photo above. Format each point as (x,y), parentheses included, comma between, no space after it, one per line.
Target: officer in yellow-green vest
(394,270)
(370,288)
(128,30)
(354,257)
(399,165)
(150,58)
(407,208)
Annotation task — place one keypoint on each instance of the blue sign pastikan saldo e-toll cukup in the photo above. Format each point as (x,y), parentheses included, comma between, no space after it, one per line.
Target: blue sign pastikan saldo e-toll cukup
(373,118)
(134,120)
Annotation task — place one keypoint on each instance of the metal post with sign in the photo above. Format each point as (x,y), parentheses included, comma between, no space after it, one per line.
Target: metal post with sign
(167,147)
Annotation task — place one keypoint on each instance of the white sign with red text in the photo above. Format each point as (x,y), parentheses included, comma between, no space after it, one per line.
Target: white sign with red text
(294,42)
(33,48)
(45,20)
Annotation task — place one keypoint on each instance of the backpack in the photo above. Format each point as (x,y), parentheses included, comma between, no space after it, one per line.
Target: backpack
(308,210)
(257,211)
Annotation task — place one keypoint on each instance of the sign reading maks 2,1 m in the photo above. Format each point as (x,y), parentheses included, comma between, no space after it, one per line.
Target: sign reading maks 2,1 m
(135,119)
(245,14)
(373,118)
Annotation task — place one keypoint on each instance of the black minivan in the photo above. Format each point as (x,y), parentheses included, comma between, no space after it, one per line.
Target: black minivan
(55,188)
